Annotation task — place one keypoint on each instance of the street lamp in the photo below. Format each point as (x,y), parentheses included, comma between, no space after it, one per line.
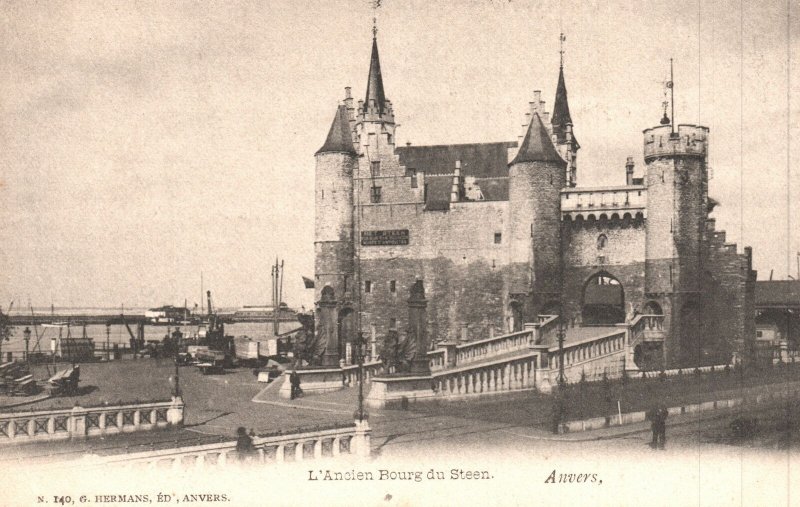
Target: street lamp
(27,336)
(360,346)
(177,335)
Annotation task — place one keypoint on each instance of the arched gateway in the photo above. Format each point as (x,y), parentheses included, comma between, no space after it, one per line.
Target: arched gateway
(603,301)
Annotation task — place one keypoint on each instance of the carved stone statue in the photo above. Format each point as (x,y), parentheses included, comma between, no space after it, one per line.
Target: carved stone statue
(307,345)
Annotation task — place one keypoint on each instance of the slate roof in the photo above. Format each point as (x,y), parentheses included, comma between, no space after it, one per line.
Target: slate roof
(339,138)
(778,293)
(537,145)
(487,162)
(375,81)
(561,116)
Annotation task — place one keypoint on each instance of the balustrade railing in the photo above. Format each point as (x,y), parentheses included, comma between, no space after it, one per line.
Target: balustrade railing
(370,370)
(57,424)
(504,375)
(437,359)
(646,326)
(333,442)
(485,349)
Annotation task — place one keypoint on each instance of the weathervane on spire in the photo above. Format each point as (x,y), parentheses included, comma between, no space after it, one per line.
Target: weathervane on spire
(562,38)
(669,85)
(375,5)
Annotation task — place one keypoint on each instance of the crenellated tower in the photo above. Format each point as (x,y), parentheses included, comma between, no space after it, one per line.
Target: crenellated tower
(677,200)
(536,177)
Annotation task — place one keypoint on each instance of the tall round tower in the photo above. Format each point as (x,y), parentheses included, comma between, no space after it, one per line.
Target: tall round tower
(536,177)
(677,196)
(333,231)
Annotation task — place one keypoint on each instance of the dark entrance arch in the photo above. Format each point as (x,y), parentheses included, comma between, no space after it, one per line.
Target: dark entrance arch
(603,300)
(652,308)
(515,319)
(346,328)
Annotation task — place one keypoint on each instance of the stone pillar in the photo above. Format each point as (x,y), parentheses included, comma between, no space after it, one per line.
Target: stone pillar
(361,440)
(328,328)
(77,424)
(418,329)
(175,412)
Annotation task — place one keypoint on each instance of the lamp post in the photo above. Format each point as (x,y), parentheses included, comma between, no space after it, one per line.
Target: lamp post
(360,342)
(177,335)
(108,341)
(27,336)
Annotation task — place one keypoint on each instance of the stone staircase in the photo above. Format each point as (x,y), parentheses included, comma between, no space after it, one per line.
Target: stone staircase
(529,359)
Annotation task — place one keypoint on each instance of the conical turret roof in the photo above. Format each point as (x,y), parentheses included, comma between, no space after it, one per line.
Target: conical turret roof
(375,81)
(537,146)
(339,138)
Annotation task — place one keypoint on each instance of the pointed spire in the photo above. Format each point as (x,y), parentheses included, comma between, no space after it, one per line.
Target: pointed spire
(561,116)
(537,145)
(339,138)
(375,94)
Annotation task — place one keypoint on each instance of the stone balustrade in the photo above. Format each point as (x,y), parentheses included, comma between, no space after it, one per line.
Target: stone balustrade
(591,358)
(646,328)
(582,201)
(547,327)
(81,422)
(504,375)
(371,369)
(334,442)
(437,359)
(482,350)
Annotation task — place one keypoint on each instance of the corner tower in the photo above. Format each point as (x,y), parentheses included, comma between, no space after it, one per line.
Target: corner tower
(333,227)
(677,195)
(536,177)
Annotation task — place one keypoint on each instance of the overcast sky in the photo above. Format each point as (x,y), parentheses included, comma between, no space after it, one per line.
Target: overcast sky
(144,142)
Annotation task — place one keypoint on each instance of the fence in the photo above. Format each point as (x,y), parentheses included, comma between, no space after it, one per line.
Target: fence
(78,422)
(334,442)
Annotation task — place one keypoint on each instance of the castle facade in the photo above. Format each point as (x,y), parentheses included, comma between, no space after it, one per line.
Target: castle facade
(501,233)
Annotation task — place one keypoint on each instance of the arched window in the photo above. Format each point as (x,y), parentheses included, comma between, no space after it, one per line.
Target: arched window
(602,241)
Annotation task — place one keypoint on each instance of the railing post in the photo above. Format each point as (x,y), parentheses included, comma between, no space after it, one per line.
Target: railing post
(175,412)
(77,422)
(361,440)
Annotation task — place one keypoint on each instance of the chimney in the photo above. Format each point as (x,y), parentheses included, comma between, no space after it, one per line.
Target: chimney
(629,171)
(455,190)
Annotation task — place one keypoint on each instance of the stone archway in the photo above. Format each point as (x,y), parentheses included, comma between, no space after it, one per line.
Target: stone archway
(603,301)
(346,330)
(652,308)
(515,316)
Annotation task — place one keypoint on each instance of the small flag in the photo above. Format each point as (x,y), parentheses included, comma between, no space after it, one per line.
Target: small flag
(308,282)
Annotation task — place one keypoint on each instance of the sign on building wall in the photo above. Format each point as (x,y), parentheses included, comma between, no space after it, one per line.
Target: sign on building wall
(380,238)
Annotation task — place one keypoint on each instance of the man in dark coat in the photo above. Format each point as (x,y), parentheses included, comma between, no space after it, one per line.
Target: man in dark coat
(661,434)
(652,416)
(294,381)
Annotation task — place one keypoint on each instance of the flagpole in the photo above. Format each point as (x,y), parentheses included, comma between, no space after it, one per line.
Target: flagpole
(672,94)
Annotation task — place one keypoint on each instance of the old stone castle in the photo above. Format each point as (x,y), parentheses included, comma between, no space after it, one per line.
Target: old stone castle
(501,233)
